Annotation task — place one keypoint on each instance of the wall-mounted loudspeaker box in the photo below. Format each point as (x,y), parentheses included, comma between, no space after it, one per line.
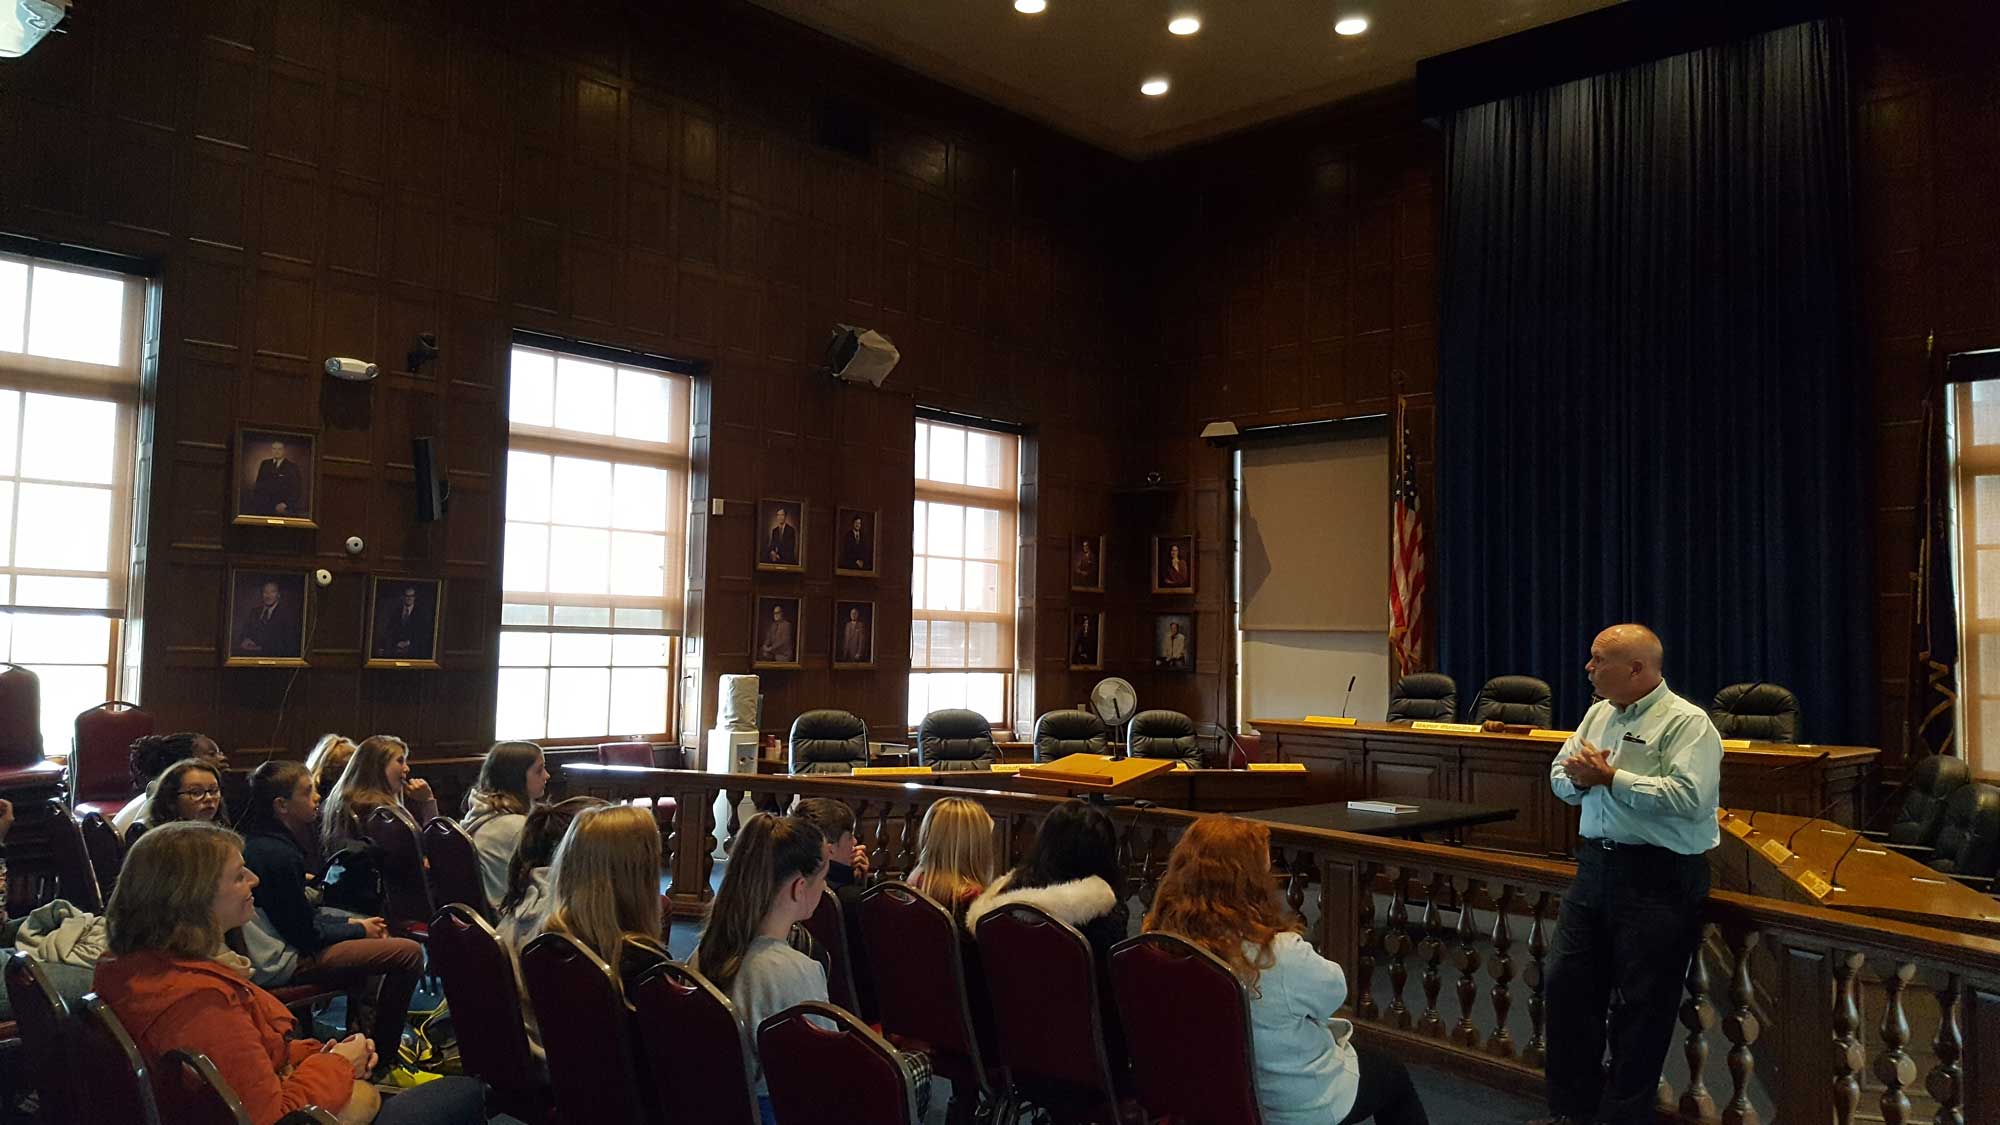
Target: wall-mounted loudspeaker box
(860,355)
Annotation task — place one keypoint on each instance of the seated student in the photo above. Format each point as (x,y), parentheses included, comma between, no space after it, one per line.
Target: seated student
(71,981)
(511,779)
(1218,893)
(378,776)
(172,983)
(313,946)
(328,760)
(150,757)
(954,853)
(190,789)
(604,885)
(526,903)
(846,876)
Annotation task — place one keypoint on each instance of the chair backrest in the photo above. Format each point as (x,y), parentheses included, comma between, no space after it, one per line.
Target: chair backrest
(913,950)
(636,957)
(625,754)
(119,1088)
(485,1003)
(586,1033)
(691,1048)
(1163,734)
(408,893)
(1514,700)
(1043,985)
(955,739)
(1931,784)
(1172,993)
(804,1062)
(828,741)
(46,1030)
(1761,712)
(454,869)
(100,762)
(1430,697)
(192,1092)
(104,849)
(1059,734)
(20,716)
(1969,841)
(69,858)
(829,931)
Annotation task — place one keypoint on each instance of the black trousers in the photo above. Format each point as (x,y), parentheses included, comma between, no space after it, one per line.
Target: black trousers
(1385,1092)
(1628,926)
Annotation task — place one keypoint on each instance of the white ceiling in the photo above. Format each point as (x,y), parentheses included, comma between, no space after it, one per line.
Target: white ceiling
(1077,66)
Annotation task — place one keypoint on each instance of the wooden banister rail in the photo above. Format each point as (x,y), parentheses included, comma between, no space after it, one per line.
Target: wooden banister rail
(1823,1014)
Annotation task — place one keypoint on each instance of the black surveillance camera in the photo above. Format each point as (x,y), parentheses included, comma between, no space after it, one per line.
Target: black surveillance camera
(422,350)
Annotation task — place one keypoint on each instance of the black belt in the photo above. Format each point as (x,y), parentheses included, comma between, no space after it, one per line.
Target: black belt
(1621,846)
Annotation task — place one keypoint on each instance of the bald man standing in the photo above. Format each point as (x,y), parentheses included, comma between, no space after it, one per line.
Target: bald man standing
(1643,765)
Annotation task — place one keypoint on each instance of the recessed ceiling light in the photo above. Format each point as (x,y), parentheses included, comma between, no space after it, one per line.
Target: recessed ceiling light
(1350,25)
(1030,7)
(1153,87)
(1184,25)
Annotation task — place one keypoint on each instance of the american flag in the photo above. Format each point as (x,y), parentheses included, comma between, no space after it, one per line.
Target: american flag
(1406,558)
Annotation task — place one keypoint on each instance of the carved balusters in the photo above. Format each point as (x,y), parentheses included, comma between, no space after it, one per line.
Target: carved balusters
(1741,1028)
(1396,943)
(1431,948)
(1364,959)
(879,857)
(1944,1080)
(735,798)
(1893,1067)
(1296,881)
(1848,1057)
(1698,1017)
(908,821)
(1500,1042)
(708,826)
(1537,1051)
(1466,1033)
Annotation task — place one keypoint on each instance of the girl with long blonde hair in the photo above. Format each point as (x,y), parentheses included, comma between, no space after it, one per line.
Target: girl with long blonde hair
(954,852)
(1218,892)
(377,776)
(605,880)
(328,760)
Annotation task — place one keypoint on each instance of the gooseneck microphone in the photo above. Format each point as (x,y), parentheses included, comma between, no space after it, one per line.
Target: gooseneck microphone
(1788,766)
(1831,801)
(1909,775)
(1350,696)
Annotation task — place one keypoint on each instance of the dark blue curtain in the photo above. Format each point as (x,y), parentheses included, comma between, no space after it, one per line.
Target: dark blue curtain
(1648,403)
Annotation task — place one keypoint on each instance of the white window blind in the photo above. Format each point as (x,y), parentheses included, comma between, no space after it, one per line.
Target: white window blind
(962,571)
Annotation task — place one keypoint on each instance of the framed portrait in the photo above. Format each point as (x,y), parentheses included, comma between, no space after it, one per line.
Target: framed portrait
(781,535)
(1086,564)
(1173,642)
(1173,564)
(853,634)
(404,616)
(774,631)
(277,477)
(1086,641)
(858,538)
(267,619)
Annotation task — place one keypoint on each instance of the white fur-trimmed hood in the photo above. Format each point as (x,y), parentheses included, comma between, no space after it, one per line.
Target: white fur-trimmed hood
(1075,902)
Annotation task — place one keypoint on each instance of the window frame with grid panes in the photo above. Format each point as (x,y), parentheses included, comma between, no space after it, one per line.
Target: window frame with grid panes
(941,548)
(1973,437)
(597,467)
(73,340)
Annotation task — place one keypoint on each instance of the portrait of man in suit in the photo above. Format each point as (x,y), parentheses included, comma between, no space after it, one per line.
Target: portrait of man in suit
(777,633)
(854,634)
(405,621)
(1086,641)
(856,553)
(1173,564)
(1086,563)
(781,544)
(266,617)
(274,472)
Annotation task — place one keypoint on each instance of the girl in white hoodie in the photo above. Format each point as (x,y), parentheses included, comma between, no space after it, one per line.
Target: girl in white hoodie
(511,780)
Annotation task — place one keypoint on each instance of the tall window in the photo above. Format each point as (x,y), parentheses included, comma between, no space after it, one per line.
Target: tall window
(70,341)
(1975,446)
(597,465)
(962,578)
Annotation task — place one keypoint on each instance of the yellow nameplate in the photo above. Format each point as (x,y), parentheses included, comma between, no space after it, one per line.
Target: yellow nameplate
(1009,767)
(1277,767)
(892,771)
(1330,720)
(1775,851)
(1736,744)
(1814,884)
(1179,767)
(1737,827)
(1552,735)
(1446,728)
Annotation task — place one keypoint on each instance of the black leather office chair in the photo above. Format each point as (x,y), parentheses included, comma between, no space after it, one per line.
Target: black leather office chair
(1430,697)
(1761,712)
(955,740)
(1059,734)
(1968,844)
(1515,700)
(1929,786)
(1163,734)
(828,741)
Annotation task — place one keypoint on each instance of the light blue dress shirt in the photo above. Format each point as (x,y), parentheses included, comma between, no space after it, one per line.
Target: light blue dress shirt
(1668,762)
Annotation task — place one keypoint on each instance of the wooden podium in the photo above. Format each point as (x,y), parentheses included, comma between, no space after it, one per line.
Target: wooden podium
(1090,773)
(1818,863)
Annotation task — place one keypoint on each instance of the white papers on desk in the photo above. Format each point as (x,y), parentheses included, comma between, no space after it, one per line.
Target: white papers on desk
(1390,807)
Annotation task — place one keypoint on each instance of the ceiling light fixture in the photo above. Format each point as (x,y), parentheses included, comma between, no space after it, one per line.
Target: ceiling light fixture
(1030,7)
(1153,87)
(1184,25)
(1350,25)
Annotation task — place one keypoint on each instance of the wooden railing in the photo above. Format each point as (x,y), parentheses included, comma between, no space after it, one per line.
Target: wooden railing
(1791,1013)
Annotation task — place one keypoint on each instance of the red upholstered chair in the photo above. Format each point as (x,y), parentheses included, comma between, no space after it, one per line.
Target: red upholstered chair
(46,1030)
(829,931)
(22,762)
(639,754)
(68,861)
(586,1032)
(100,770)
(119,1088)
(691,1046)
(408,894)
(1043,985)
(486,1009)
(913,950)
(1172,993)
(454,869)
(192,1092)
(804,1061)
(105,850)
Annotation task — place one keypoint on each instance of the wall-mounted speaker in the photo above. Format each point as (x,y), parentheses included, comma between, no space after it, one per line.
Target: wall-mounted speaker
(433,490)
